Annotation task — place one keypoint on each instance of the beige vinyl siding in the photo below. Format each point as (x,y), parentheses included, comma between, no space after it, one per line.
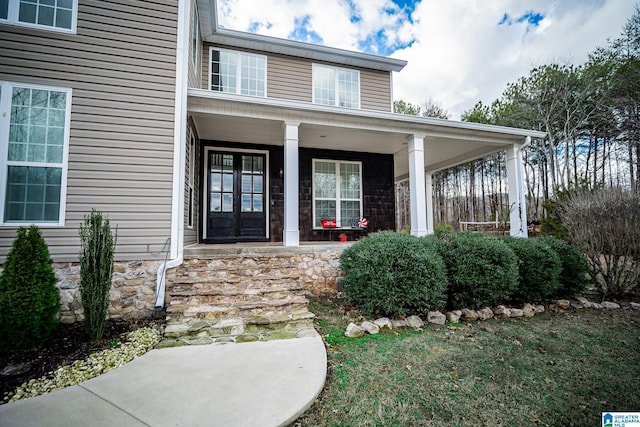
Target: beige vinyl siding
(121,67)
(290,78)
(375,90)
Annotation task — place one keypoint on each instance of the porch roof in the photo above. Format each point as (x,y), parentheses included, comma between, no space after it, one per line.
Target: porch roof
(234,118)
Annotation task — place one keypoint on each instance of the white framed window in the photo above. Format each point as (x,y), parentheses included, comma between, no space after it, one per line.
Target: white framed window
(55,15)
(237,72)
(337,192)
(34,150)
(195,32)
(339,87)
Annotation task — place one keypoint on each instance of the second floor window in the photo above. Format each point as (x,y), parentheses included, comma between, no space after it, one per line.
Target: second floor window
(238,72)
(51,14)
(336,86)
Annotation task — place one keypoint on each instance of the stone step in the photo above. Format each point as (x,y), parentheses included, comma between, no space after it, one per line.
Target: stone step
(249,289)
(184,331)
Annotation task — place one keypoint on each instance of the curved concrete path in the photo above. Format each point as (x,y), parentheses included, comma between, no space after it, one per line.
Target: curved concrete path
(253,384)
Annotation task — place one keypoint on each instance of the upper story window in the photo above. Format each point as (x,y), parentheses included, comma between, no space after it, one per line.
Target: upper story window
(58,15)
(34,146)
(238,72)
(336,86)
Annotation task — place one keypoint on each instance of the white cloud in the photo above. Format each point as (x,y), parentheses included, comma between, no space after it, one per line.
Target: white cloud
(460,54)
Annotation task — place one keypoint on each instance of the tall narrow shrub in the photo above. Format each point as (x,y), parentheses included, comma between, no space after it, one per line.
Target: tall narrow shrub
(29,298)
(98,244)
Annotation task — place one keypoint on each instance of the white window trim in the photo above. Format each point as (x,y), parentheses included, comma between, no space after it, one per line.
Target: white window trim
(337,199)
(12,19)
(336,96)
(238,71)
(5,119)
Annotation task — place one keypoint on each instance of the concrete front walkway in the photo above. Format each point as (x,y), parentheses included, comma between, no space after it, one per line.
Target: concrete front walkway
(253,384)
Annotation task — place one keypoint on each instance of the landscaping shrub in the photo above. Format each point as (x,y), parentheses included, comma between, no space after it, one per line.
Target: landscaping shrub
(96,268)
(481,271)
(539,269)
(605,226)
(393,274)
(574,275)
(29,298)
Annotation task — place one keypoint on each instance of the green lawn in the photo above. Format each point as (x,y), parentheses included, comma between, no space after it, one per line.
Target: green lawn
(554,369)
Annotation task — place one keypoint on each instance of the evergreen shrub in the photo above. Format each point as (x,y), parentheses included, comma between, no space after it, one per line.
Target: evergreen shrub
(29,298)
(482,271)
(393,274)
(574,275)
(539,269)
(96,269)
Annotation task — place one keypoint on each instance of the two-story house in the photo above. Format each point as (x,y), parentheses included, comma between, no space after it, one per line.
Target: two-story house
(185,133)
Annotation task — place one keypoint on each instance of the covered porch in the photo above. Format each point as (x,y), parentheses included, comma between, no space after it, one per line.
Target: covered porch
(295,139)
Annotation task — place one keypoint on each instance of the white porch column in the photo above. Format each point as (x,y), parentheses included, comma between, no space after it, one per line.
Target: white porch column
(291,233)
(517,201)
(417,187)
(429,197)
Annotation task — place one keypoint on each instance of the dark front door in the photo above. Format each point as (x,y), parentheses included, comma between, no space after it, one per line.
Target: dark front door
(236,203)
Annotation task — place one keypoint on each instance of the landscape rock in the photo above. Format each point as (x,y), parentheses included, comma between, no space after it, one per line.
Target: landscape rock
(370,327)
(354,331)
(515,312)
(485,313)
(415,322)
(563,304)
(585,302)
(454,316)
(436,318)
(501,310)
(539,308)
(610,305)
(528,310)
(635,305)
(383,322)
(469,315)
(596,305)
(400,323)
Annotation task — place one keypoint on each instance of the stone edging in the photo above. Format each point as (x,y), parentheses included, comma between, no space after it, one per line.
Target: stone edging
(437,318)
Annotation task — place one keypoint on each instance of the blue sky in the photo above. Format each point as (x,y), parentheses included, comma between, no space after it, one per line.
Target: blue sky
(459,51)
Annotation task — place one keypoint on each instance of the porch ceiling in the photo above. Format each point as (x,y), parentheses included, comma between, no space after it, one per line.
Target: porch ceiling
(447,143)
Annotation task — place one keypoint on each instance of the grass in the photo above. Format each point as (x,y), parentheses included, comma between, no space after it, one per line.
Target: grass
(551,370)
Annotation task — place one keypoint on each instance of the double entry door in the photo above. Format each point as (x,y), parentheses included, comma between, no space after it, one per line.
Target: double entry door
(236,202)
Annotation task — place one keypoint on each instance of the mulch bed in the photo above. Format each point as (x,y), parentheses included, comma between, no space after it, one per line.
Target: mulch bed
(67,343)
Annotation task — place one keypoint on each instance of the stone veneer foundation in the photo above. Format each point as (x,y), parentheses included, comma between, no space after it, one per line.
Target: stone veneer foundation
(221,293)
(132,294)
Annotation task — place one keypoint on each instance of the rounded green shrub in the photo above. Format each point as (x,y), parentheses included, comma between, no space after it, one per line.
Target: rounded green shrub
(393,274)
(481,271)
(539,269)
(29,298)
(574,276)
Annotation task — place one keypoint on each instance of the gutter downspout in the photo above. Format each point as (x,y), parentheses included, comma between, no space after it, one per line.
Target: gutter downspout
(179,141)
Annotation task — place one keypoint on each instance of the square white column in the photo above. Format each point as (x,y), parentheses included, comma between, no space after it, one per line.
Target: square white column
(517,200)
(291,233)
(429,199)
(417,186)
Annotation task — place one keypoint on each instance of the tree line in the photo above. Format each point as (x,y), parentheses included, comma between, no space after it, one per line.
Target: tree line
(591,114)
